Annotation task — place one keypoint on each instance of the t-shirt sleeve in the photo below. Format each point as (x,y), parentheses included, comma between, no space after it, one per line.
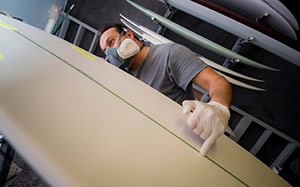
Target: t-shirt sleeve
(184,65)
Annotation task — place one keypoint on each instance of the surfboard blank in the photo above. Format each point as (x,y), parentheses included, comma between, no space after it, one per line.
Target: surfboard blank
(84,122)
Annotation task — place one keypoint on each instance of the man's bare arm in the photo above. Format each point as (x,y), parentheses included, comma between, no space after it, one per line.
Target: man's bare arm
(218,87)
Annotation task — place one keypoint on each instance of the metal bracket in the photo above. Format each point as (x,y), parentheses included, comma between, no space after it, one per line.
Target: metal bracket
(167,5)
(168,14)
(261,18)
(248,40)
(237,47)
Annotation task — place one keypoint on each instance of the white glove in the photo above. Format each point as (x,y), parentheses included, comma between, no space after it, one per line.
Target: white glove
(208,120)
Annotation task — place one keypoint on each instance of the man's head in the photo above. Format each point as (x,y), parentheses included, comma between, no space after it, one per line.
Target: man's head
(119,45)
(110,33)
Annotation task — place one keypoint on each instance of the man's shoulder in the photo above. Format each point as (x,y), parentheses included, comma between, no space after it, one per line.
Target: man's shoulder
(168,47)
(160,46)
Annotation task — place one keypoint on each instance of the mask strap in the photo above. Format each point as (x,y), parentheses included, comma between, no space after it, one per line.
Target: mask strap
(120,37)
(143,44)
(125,65)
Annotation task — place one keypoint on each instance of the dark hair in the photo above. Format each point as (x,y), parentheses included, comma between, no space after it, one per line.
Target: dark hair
(119,27)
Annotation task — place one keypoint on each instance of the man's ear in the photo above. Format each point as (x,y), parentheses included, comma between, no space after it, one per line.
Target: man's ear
(129,34)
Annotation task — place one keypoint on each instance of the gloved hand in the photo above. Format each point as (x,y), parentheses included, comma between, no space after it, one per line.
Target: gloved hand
(208,120)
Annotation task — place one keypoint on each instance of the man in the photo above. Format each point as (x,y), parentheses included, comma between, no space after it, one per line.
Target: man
(171,69)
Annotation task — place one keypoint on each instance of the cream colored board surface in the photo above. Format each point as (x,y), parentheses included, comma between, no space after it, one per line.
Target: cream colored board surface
(101,138)
(85,132)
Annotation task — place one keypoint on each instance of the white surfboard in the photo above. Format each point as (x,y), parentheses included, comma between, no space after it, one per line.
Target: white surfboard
(241,30)
(257,8)
(144,32)
(284,11)
(230,79)
(80,121)
(237,82)
(157,39)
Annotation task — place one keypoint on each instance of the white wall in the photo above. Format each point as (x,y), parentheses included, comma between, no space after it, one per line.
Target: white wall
(33,12)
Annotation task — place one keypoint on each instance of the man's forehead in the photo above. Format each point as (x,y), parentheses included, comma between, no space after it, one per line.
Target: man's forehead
(109,32)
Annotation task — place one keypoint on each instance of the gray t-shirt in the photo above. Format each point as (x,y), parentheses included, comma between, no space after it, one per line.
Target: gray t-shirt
(169,68)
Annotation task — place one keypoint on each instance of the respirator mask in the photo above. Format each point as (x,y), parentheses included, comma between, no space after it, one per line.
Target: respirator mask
(122,55)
